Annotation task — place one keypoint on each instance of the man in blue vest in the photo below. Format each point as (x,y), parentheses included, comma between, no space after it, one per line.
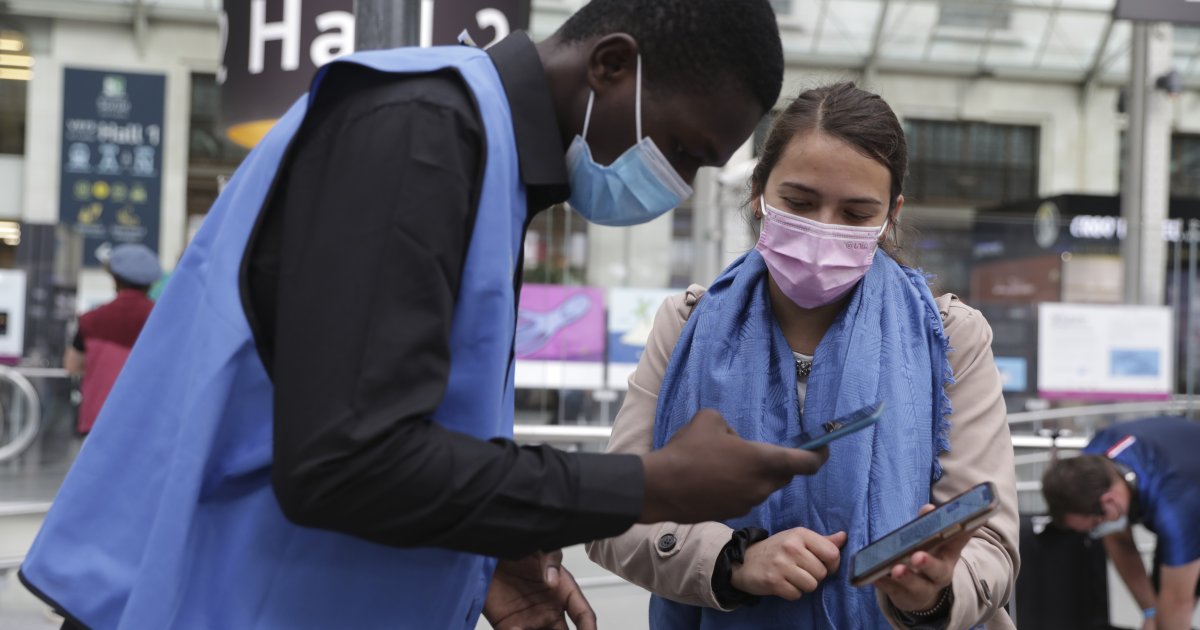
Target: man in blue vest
(1139,472)
(313,430)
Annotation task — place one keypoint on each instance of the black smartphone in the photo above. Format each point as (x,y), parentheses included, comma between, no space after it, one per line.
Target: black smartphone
(964,512)
(841,427)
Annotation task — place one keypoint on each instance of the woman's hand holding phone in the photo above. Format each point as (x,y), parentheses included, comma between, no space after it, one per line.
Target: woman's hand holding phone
(916,585)
(788,564)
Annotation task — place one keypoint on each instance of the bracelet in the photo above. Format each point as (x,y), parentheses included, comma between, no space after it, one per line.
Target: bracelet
(1149,613)
(938,609)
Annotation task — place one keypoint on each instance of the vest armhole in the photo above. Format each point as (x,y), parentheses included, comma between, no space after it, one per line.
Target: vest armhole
(265,354)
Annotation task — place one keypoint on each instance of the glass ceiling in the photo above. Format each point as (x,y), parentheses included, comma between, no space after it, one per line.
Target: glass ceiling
(1057,40)
(1062,40)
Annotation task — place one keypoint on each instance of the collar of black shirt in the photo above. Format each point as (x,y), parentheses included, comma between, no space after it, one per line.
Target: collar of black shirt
(539,147)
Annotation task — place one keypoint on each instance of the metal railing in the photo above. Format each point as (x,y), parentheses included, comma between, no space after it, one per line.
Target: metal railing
(598,434)
(23,421)
(1033,449)
(561,434)
(24,508)
(1179,404)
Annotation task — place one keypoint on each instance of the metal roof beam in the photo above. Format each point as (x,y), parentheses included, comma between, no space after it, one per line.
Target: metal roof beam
(991,36)
(1009,4)
(918,67)
(106,12)
(869,68)
(1051,22)
(1098,61)
(822,16)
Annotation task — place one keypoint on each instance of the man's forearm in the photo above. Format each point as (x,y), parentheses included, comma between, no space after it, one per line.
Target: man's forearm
(73,361)
(1175,613)
(1176,595)
(1125,557)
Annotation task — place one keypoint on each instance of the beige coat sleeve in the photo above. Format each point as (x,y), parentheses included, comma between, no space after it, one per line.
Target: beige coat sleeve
(980,450)
(669,559)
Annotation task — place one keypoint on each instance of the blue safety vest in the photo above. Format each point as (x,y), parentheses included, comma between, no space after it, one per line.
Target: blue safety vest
(168,518)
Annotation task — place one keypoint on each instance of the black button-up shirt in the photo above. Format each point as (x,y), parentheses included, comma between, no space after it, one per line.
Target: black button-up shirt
(350,284)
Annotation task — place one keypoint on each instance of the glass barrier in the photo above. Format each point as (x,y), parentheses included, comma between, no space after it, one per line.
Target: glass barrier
(34,473)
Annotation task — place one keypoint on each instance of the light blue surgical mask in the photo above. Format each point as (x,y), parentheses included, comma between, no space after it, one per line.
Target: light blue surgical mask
(639,186)
(1109,527)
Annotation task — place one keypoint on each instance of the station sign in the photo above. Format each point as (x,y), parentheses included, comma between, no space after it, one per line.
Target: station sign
(1174,11)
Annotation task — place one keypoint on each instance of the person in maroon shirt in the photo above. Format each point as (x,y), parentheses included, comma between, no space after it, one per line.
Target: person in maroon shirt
(106,334)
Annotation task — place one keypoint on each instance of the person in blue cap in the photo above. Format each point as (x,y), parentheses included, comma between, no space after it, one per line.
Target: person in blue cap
(1139,472)
(106,334)
(315,429)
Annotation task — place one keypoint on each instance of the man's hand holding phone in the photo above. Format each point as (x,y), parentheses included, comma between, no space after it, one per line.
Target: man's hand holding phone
(706,472)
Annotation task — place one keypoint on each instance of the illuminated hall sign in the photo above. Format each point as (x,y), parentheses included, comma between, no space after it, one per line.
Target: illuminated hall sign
(272,48)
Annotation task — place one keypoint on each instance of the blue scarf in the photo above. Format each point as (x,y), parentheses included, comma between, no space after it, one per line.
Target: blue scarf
(887,344)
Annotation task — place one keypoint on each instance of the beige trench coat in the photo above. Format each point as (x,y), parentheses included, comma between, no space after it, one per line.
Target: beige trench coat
(981,450)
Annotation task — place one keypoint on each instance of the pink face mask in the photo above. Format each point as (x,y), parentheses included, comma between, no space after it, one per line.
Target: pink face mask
(812,262)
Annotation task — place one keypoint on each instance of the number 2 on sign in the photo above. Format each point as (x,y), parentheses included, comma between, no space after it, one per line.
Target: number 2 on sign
(494,18)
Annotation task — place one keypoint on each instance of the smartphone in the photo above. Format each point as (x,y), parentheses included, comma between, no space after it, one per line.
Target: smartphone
(841,427)
(964,512)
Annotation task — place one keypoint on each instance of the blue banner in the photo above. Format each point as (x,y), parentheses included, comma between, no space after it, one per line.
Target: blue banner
(111,177)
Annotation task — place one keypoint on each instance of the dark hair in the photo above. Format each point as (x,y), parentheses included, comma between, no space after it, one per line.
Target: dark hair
(853,115)
(697,45)
(1074,486)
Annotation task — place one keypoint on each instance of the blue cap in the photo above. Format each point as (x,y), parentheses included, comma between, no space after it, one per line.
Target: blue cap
(135,264)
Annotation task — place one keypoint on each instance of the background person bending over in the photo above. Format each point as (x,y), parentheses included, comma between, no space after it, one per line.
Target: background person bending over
(106,334)
(328,445)
(1147,472)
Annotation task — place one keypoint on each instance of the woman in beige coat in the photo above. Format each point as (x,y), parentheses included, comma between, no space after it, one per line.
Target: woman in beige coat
(828,182)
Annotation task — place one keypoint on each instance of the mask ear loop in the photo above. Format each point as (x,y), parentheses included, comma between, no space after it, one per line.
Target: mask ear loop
(638,99)
(894,234)
(587,117)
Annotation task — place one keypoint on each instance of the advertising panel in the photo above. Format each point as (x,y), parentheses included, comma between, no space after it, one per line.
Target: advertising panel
(1105,352)
(111,170)
(560,337)
(630,318)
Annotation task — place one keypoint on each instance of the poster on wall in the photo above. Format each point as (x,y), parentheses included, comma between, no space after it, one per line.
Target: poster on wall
(12,315)
(559,339)
(111,166)
(630,317)
(1012,373)
(1104,352)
